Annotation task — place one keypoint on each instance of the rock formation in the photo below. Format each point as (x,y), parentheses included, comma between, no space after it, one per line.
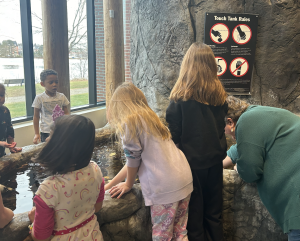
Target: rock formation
(162,31)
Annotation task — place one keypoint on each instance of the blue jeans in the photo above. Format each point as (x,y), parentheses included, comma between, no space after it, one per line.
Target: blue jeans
(294,235)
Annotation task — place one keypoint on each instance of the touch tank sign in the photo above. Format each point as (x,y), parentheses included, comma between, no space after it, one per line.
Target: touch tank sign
(232,37)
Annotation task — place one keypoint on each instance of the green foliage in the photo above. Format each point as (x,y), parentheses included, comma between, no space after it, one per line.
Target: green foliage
(17,109)
(81,99)
(13,91)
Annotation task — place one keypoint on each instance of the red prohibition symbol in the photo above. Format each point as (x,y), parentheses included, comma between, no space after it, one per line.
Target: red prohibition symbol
(239,67)
(221,64)
(219,33)
(241,34)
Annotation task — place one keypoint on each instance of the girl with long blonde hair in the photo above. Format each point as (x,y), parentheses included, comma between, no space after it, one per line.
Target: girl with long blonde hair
(163,170)
(196,120)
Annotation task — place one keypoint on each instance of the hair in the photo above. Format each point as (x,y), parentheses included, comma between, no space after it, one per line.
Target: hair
(2,87)
(47,72)
(129,106)
(70,146)
(236,107)
(198,79)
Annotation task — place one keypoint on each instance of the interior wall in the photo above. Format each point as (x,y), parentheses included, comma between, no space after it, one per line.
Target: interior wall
(163,30)
(24,131)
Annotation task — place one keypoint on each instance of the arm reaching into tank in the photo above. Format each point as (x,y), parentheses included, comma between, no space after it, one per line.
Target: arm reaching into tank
(120,177)
(227,162)
(124,187)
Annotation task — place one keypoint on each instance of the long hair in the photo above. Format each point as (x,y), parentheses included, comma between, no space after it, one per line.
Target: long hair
(129,106)
(198,79)
(70,146)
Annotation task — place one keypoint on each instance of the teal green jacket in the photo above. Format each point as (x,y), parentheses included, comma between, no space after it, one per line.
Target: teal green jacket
(268,153)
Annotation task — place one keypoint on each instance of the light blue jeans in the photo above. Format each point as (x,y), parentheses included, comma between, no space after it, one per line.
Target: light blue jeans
(294,235)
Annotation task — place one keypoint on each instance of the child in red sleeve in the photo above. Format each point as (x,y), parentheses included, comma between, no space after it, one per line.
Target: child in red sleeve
(67,200)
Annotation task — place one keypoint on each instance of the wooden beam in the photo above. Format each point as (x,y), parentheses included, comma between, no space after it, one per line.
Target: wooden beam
(113,45)
(55,34)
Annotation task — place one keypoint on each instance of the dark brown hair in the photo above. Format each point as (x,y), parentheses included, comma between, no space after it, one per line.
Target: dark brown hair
(46,72)
(70,146)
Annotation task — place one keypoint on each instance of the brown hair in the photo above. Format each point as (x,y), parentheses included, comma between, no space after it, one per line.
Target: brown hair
(70,146)
(236,107)
(129,106)
(198,78)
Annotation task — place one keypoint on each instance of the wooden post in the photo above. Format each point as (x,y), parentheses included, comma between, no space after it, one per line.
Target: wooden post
(55,34)
(113,45)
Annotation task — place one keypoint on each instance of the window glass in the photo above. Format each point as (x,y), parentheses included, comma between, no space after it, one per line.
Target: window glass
(11,57)
(78,52)
(37,39)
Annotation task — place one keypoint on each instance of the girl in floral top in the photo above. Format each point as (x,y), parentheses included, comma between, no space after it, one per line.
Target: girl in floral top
(66,202)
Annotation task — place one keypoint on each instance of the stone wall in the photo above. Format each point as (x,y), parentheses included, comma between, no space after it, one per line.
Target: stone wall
(127,219)
(162,31)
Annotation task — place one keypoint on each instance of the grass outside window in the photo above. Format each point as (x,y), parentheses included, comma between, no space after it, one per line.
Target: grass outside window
(17,109)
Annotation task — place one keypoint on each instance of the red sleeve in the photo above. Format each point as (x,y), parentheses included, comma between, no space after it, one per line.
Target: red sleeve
(43,220)
(102,192)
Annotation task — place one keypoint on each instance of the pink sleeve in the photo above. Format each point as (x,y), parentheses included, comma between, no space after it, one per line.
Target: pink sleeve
(102,192)
(43,220)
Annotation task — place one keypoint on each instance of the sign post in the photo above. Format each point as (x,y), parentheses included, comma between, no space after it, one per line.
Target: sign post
(232,38)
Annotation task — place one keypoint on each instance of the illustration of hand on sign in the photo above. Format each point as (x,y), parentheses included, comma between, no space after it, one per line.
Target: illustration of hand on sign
(219,33)
(239,67)
(221,64)
(242,34)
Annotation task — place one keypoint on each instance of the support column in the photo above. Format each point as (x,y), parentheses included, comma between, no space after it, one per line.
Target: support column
(113,45)
(55,34)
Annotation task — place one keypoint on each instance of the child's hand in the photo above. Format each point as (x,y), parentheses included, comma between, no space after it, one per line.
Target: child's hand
(6,145)
(31,214)
(36,139)
(15,149)
(120,189)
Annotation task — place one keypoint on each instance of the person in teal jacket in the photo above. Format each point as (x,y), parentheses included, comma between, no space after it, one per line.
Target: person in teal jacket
(268,153)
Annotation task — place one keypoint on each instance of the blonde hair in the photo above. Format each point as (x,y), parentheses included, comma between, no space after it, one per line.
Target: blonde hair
(129,106)
(198,79)
(236,107)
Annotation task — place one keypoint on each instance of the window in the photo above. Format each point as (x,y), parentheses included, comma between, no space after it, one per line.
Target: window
(11,57)
(78,52)
(21,54)
(37,39)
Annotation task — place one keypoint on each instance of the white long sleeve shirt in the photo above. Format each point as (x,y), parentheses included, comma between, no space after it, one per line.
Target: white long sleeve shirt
(164,172)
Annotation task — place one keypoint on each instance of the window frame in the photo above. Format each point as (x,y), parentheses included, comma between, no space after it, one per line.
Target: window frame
(28,59)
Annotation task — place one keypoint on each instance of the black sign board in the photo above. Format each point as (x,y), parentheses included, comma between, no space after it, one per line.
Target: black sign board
(232,38)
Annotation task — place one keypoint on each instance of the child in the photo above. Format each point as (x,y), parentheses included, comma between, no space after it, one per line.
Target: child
(6,128)
(196,120)
(163,170)
(45,103)
(66,202)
